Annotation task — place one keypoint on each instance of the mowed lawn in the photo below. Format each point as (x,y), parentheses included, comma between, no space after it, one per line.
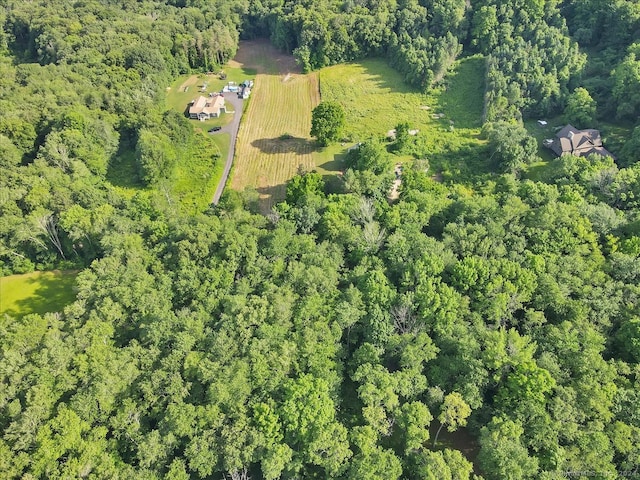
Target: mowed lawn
(178,99)
(37,292)
(448,118)
(273,140)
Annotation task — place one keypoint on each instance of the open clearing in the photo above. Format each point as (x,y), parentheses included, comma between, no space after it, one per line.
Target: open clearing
(448,118)
(273,140)
(199,171)
(37,292)
(196,177)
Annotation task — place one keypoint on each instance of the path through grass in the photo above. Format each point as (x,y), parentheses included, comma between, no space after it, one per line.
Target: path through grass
(37,292)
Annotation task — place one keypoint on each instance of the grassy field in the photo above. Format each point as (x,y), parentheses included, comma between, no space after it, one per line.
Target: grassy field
(37,292)
(273,140)
(198,173)
(272,144)
(448,118)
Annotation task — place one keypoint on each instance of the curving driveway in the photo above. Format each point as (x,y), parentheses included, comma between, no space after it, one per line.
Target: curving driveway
(231,128)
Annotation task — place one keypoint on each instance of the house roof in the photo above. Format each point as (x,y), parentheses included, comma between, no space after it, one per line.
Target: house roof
(207,105)
(579,142)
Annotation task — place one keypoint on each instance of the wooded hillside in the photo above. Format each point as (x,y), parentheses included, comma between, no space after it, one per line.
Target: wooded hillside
(484,327)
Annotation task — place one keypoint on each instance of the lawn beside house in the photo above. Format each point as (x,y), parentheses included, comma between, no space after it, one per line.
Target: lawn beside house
(178,99)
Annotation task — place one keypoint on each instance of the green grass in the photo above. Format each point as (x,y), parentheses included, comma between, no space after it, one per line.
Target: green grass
(613,137)
(199,170)
(123,171)
(448,118)
(37,292)
(178,99)
(200,167)
(272,145)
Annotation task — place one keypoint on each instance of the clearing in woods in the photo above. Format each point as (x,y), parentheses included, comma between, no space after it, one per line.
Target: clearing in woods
(448,118)
(274,140)
(37,292)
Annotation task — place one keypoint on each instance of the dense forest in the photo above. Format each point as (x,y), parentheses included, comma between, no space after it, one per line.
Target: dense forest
(342,335)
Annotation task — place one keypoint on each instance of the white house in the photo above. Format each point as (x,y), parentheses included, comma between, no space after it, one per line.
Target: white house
(203,108)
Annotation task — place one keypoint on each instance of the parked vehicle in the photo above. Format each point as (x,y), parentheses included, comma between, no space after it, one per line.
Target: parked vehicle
(215,129)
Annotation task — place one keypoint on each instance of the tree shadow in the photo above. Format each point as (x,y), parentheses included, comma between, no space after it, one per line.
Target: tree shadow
(122,170)
(335,169)
(52,294)
(461,95)
(284,144)
(385,77)
(268,197)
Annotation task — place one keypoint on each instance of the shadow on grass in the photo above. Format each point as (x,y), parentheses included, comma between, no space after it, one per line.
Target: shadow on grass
(385,77)
(334,169)
(284,144)
(462,95)
(122,170)
(51,294)
(269,197)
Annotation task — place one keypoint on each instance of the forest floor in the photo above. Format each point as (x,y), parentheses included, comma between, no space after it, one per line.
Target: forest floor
(36,292)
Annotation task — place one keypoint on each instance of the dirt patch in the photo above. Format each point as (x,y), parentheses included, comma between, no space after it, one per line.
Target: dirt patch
(395,190)
(264,57)
(192,80)
(287,77)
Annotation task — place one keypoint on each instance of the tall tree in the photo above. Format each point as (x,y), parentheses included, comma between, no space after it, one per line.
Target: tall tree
(327,122)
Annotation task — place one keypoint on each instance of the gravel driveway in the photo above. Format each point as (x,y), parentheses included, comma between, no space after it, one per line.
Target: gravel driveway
(233,103)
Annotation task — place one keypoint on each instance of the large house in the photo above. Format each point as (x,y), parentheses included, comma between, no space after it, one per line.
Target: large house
(203,108)
(570,140)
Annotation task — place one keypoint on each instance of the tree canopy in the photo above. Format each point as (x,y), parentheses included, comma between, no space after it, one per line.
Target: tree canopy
(327,122)
(333,336)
